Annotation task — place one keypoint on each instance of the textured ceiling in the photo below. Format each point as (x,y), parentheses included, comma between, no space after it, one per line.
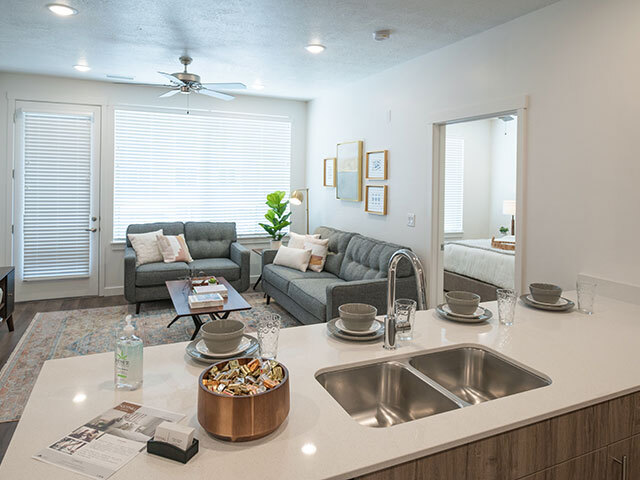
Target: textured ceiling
(240,40)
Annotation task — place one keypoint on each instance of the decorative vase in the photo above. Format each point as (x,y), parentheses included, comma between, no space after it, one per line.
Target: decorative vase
(276,244)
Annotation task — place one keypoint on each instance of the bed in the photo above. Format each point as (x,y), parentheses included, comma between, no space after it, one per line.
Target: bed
(475,266)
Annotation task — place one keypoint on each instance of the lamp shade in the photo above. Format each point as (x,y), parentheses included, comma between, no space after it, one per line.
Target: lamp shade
(509,207)
(296,197)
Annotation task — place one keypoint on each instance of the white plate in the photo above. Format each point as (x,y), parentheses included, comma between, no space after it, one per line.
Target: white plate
(475,314)
(202,348)
(560,303)
(375,326)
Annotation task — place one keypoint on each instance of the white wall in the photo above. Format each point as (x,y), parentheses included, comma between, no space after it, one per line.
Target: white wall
(477,175)
(106,95)
(504,144)
(578,62)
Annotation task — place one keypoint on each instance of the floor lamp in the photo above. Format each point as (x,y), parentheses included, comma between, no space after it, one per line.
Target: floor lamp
(297,197)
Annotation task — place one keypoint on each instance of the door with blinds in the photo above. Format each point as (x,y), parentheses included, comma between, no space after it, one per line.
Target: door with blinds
(56,224)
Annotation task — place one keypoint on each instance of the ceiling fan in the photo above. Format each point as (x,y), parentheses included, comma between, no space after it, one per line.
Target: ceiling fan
(185,82)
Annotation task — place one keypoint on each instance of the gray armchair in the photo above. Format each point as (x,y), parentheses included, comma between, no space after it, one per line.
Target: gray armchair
(213,246)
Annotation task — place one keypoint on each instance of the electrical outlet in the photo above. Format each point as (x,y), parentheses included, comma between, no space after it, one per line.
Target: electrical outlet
(411,219)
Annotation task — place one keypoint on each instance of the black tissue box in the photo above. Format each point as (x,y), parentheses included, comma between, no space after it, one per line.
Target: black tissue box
(172,452)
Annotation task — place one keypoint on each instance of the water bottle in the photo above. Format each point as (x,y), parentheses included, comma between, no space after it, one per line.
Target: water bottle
(128,359)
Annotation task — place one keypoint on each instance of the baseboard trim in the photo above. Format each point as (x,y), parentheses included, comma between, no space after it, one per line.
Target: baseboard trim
(112,291)
(625,292)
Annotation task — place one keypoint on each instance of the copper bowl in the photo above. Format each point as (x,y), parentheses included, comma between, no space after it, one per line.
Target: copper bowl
(243,418)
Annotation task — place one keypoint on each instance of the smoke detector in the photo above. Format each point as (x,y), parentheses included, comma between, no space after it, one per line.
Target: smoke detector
(381,35)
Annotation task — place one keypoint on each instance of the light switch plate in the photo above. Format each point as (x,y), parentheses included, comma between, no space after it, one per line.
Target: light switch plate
(411,219)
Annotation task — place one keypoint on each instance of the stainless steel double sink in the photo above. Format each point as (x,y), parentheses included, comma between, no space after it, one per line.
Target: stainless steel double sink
(387,392)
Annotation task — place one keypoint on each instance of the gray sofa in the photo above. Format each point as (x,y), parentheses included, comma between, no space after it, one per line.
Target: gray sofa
(355,271)
(213,247)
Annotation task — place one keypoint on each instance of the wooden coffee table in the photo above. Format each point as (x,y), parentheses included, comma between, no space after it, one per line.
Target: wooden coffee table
(180,291)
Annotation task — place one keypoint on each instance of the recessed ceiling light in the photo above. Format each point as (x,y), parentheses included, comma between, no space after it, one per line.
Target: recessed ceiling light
(257,86)
(315,48)
(82,68)
(62,10)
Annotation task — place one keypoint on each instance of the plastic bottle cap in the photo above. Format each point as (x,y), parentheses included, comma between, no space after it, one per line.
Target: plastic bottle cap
(128,329)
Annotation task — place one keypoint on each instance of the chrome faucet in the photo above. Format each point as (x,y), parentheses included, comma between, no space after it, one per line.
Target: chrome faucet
(391,327)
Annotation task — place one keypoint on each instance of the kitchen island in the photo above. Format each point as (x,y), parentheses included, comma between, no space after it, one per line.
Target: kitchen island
(589,359)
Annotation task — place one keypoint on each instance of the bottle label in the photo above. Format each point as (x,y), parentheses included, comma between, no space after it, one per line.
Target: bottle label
(122,364)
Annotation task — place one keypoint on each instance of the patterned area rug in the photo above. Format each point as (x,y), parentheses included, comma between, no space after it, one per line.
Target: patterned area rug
(83,332)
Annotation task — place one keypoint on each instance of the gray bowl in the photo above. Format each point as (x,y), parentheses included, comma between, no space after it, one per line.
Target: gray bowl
(462,303)
(357,316)
(545,292)
(222,336)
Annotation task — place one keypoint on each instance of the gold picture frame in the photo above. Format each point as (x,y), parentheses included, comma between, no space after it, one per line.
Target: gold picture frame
(349,171)
(329,164)
(374,204)
(373,169)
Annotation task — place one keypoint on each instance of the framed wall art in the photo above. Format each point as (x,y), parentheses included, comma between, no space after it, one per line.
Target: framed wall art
(329,176)
(349,171)
(376,199)
(376,168)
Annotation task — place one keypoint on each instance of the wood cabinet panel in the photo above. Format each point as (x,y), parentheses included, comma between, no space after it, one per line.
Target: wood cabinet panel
(404,471)
(592,466)
(451,464)
(616,452)
(636,413)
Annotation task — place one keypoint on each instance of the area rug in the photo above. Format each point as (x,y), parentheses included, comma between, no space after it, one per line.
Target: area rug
(84,332)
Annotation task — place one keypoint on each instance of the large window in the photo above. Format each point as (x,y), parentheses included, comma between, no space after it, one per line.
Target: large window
(453,185)
(212,167)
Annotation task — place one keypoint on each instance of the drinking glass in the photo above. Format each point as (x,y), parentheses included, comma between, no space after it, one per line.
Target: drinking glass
(586,295)
(268,332)
(404,311)
(506,305)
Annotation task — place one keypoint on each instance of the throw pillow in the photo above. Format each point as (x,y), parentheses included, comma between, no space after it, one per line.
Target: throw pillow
(174,248)
(293,258)
(146,247)
(297,241)
(319,250)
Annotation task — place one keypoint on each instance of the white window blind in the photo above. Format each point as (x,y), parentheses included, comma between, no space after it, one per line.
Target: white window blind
(198,167)
(56,195)
(453,185)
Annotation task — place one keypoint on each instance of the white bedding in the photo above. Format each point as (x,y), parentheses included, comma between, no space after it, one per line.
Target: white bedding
(477,259)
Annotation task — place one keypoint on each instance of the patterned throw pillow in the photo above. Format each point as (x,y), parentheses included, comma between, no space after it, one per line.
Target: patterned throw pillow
(319,250)
(174,248)
(146,247)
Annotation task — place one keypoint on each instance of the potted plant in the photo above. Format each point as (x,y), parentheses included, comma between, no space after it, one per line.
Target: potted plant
(504,231)
(277,216)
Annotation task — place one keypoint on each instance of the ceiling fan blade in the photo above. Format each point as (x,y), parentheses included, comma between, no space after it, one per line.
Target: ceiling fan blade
(225,86)
(212,93)
(172,79)
(170,93)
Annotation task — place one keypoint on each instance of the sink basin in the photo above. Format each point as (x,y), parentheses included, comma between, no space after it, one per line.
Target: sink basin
(384,394)
(476,375)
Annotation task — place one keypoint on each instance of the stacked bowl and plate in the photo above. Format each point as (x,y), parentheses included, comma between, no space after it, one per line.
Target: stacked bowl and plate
(463,307)
(221,339)
(357,323)
(546,296)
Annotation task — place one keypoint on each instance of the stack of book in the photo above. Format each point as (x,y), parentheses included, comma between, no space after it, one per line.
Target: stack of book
(205,300)
(211,288)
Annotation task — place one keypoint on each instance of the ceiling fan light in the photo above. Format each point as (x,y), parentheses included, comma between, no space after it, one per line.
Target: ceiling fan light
(62,10)
(315,48)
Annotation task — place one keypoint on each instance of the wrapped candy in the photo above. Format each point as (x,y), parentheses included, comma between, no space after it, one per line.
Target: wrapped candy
(251,378)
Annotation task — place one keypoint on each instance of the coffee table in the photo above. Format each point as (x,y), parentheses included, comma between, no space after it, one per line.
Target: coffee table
(180,291)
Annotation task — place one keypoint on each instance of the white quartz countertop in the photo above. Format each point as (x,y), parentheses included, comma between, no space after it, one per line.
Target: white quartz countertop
(588,358)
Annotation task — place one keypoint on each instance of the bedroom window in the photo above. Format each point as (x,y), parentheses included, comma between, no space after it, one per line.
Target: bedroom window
(199,167)
(453,185)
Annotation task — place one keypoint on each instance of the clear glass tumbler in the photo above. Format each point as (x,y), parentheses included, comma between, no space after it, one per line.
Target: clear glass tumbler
(586,295)
(506,305)
(268,331)
(404,310)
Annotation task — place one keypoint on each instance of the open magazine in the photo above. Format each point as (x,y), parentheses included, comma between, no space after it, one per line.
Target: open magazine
(103,445)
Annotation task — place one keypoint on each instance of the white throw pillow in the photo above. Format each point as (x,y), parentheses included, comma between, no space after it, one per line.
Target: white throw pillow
(146,247)
(174,248)
(293,258)
(319,250)
(297,241)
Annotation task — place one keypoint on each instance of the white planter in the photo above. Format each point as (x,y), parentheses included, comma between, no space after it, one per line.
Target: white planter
(276,244)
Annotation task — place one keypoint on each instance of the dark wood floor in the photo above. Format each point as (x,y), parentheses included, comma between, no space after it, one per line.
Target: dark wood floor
(22,316)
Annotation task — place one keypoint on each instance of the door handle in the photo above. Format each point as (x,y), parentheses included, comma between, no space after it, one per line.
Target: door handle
(90,229)
(622,462)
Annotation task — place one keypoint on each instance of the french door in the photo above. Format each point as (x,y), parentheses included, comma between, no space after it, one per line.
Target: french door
(56,223)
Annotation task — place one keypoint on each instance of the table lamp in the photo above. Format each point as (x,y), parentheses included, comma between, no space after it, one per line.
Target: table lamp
(297,197)
(509,208)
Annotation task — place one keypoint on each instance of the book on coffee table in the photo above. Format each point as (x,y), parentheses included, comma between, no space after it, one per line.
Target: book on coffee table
(206,300)
(214,288)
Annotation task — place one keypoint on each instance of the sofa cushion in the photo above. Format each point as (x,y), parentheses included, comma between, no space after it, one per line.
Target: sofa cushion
(280,276)
(209,239)
(367,258)
(338,242)
(311,294)
(172,228)
(222,267)
(151,274)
